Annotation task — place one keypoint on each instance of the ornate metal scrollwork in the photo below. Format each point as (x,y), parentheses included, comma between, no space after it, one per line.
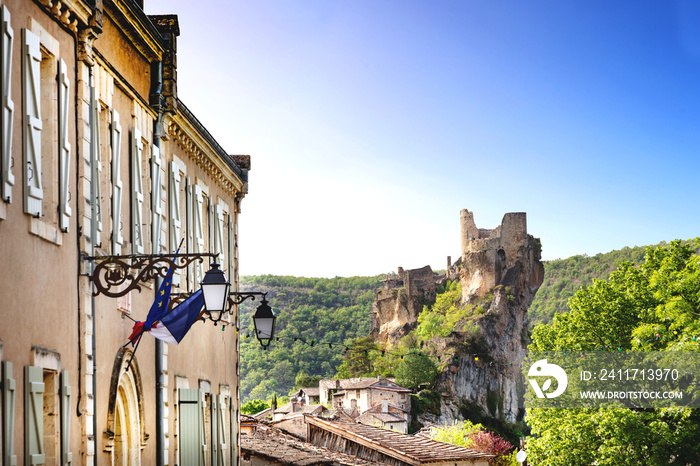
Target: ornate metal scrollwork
(112,272)
(235,297)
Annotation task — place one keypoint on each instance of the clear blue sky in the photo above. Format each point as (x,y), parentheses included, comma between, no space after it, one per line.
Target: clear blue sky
(372,123)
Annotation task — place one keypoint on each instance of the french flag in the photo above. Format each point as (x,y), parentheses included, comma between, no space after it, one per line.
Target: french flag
(173,327)
(170,326)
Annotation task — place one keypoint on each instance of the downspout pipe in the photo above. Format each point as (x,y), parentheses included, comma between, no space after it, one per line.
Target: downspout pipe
(93,237)
(156,101)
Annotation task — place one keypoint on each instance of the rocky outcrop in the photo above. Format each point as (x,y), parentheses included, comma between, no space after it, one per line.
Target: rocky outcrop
(396,307)
(500,271)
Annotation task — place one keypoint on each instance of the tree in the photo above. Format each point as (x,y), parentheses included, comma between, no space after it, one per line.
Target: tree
(659,297)
(303,380)
(476,437)
(357,361)
(416,369)
(254,407)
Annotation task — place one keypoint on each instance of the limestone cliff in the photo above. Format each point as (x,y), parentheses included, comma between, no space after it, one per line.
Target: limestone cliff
(499,270)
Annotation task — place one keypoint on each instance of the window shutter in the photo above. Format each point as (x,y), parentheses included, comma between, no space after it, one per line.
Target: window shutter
(219,235)
(66,455)
(8,415)
(203,427)
(31,101)
(156,199)
(189,191)
(34,416)
(95,137)
(117,239)
(189,434)
(7,179)
(198,225)
(136,192)
(231,278)
(64,147)
(221,427)
(174,204)
(214,430)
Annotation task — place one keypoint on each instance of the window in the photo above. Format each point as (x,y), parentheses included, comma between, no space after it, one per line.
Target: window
(137,239)
(47,416)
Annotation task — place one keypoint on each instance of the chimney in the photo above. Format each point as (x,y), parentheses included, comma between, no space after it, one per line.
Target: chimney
(385,406)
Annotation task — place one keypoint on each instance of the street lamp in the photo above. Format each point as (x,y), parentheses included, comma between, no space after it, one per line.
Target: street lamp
(264,321)
(215,292)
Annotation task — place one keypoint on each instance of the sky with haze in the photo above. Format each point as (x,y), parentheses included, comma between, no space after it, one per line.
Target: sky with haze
(372,123)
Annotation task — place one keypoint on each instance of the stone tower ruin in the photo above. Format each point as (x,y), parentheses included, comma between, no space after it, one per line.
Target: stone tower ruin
(498,257)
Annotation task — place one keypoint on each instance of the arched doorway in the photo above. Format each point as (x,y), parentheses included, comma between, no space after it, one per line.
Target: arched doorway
(125,429)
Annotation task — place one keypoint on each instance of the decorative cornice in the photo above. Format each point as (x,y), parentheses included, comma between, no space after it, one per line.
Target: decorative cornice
(134,23)
(205,158)
(70,13)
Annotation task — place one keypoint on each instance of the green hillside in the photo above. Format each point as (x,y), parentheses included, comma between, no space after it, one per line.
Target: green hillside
(316,318)
(562,277)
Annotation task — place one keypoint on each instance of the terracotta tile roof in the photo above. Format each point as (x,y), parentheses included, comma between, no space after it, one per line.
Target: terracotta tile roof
(273,444)
(414,450)
(386,417)
(311,391)
(373,382)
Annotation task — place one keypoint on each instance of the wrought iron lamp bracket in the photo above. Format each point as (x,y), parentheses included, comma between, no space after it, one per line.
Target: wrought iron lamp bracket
(115,276)
(235,297)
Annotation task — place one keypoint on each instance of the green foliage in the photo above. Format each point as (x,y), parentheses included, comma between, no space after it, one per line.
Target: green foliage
(357,361)
(305,381)
(477,437)
(310,310)
(661,295)
(416,369)
(254,407)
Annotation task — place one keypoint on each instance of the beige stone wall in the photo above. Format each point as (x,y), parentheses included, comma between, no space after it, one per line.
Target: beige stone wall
(46,300)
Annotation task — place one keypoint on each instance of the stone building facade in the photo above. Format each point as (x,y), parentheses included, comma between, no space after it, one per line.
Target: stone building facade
(100,157)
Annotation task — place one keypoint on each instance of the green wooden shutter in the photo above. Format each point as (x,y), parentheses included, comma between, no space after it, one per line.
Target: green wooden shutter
(189,435)
(8,412)
(66,455)
(8,107)
(34,416)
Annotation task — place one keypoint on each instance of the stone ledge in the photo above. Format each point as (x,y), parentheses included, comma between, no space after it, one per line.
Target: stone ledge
(45,231)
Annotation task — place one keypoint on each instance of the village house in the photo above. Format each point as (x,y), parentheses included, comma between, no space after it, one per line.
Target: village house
(102,163)
(363,393)
(386,415)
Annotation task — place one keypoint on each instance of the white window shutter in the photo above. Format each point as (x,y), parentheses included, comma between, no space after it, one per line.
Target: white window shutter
(34,416)
(137,241)
(7,179)
(31,103)
(174,205)
(221,430)
(117,239)
(156,199)
(198,225)
(66,455)
(214,429)
(96,141)
(9,386)
(219,234)
(230,249)
(189,195)
(64,147)
(203,426)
